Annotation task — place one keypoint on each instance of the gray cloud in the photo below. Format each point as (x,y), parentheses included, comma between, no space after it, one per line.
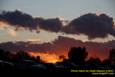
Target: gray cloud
(53,24)
(91,25)
(20,19)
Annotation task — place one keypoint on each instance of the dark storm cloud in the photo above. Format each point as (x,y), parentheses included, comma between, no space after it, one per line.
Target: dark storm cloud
(53,25)
(20,19)
(91,25)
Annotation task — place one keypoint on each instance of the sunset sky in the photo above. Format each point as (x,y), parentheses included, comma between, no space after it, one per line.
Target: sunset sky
(66,9)
(60,13)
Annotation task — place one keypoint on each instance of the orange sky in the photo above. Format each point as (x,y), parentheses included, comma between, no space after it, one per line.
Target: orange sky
(46,57)
(53,56)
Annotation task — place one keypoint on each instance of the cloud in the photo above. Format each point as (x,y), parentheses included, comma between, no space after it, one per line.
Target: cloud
(3,26)
(33,39)
(12,32)
(52,24)
(91,25)
(61,46)
(19,19)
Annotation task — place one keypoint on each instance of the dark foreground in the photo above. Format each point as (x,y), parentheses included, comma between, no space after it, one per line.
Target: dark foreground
(23,65)
(34,69)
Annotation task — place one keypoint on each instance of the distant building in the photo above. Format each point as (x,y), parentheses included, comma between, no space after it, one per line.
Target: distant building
(112,56)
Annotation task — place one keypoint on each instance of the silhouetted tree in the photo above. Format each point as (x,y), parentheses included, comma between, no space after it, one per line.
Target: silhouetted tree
(8,56)
(62,57)
(112,56)
(77,55)
(2,54)
(94,61)
(5,55)
(106,62)
(23,55)
(37,59)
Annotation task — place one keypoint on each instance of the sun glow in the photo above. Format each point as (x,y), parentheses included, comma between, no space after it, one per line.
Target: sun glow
(3,25)
(46,57)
